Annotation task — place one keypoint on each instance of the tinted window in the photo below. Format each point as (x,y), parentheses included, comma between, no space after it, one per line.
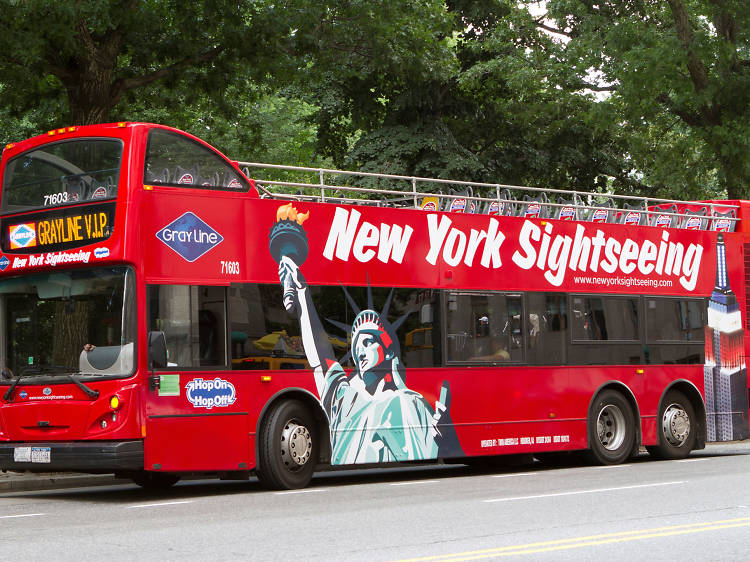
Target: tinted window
(193,321)
(63,173)
(547,328)
(604,318)
(265,336)
(675,330)
(173,159)
(677,320)
(484,327)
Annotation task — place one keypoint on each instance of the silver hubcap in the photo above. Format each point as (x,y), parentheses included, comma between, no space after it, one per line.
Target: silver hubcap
(675,425)
(610,427)
(296,445)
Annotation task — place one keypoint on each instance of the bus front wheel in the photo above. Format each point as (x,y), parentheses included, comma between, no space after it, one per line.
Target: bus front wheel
(611,428)
(287,447)
(677,428)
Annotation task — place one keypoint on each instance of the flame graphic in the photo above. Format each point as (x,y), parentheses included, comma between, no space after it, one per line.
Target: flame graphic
(289,213)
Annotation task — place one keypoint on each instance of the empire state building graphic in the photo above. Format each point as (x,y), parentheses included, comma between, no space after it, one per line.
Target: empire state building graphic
(724,373)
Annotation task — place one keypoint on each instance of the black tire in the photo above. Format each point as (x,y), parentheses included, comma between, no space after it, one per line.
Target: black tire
(287,447)
(155,480)
(611,429)
(677,428)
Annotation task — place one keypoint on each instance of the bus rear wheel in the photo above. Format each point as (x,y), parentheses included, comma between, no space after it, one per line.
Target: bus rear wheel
(287,447)
(611,427)
(677,428)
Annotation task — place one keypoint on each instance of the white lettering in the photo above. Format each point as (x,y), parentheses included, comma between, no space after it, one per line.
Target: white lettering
(437,234)
(492,245)
(558,260)
(529,232)
(393,242)
(452,255)
(366,237)
(341,235)
(691,266)
(555,253)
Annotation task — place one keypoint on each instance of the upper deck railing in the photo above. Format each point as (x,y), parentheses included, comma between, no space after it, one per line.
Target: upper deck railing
(389,190)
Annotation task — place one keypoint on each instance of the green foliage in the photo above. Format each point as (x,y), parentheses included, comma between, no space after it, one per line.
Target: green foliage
(639,97)
(680,74)
(87,54)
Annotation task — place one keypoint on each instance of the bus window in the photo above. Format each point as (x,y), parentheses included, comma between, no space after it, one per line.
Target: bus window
(172,159)
(193,321)
(266,336)
(484,327)
(605,318)
(64,173)
(547,328)
(605,331)
(675,330)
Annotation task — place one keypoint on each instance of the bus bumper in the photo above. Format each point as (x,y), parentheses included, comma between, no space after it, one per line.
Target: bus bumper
(78,456)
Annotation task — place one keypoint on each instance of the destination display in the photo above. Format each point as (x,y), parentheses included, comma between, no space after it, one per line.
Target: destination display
(58,230)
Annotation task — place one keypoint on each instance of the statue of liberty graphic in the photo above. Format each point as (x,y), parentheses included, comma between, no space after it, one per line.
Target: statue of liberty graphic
(373,416)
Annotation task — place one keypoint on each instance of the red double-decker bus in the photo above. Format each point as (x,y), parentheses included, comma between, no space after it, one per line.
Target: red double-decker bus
(162,314)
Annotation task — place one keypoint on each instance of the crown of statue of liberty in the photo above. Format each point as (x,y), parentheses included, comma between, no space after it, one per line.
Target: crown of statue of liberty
(369,321)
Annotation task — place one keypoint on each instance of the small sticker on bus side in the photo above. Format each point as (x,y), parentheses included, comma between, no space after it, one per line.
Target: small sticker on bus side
(169,385)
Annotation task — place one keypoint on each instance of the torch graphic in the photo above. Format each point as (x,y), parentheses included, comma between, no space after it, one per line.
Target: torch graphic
(288,238)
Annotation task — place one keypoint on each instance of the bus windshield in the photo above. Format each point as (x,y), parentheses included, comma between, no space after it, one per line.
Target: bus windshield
(79,321)
(62,173)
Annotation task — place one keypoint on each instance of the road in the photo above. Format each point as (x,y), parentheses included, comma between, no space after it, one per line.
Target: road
(696,509)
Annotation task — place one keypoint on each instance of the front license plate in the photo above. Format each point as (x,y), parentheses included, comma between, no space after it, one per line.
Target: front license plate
(40,454)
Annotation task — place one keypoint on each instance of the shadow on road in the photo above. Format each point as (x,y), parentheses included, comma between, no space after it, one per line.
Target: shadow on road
(127,492)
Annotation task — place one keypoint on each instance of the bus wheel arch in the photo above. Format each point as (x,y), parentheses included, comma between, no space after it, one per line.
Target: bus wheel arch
(680,422)
(613,424)
(292,439)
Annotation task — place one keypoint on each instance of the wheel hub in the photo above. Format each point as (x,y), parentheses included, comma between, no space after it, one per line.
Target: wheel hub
(676,425)
(296,445)
(610,427)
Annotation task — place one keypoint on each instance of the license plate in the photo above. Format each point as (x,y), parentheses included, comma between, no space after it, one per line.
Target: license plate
(32,454)
(40,454)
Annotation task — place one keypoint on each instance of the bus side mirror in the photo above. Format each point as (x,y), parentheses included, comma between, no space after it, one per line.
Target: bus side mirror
(157,350)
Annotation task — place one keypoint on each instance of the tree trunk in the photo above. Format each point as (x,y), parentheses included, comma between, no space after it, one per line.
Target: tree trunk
(70,333)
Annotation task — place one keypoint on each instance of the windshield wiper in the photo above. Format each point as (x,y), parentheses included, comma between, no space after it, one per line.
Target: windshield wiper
(90,392)
(9,393)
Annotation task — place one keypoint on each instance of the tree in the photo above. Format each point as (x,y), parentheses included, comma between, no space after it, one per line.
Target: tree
(678,72)
(87,55)
(482,103)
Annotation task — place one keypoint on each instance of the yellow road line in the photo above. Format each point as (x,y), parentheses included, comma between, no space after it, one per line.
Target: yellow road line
(590,540)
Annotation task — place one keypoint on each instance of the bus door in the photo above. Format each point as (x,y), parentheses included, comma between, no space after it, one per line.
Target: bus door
(196,416)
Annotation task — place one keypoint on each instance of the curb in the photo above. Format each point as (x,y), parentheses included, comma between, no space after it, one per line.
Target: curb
(25,481)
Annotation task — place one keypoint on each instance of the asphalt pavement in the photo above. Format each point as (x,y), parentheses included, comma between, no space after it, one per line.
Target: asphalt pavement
(11,481)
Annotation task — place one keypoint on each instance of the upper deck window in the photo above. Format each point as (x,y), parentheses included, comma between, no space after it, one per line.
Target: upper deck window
(172,159)
(62,173)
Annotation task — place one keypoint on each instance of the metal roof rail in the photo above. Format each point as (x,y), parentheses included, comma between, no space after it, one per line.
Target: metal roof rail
(406,192)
